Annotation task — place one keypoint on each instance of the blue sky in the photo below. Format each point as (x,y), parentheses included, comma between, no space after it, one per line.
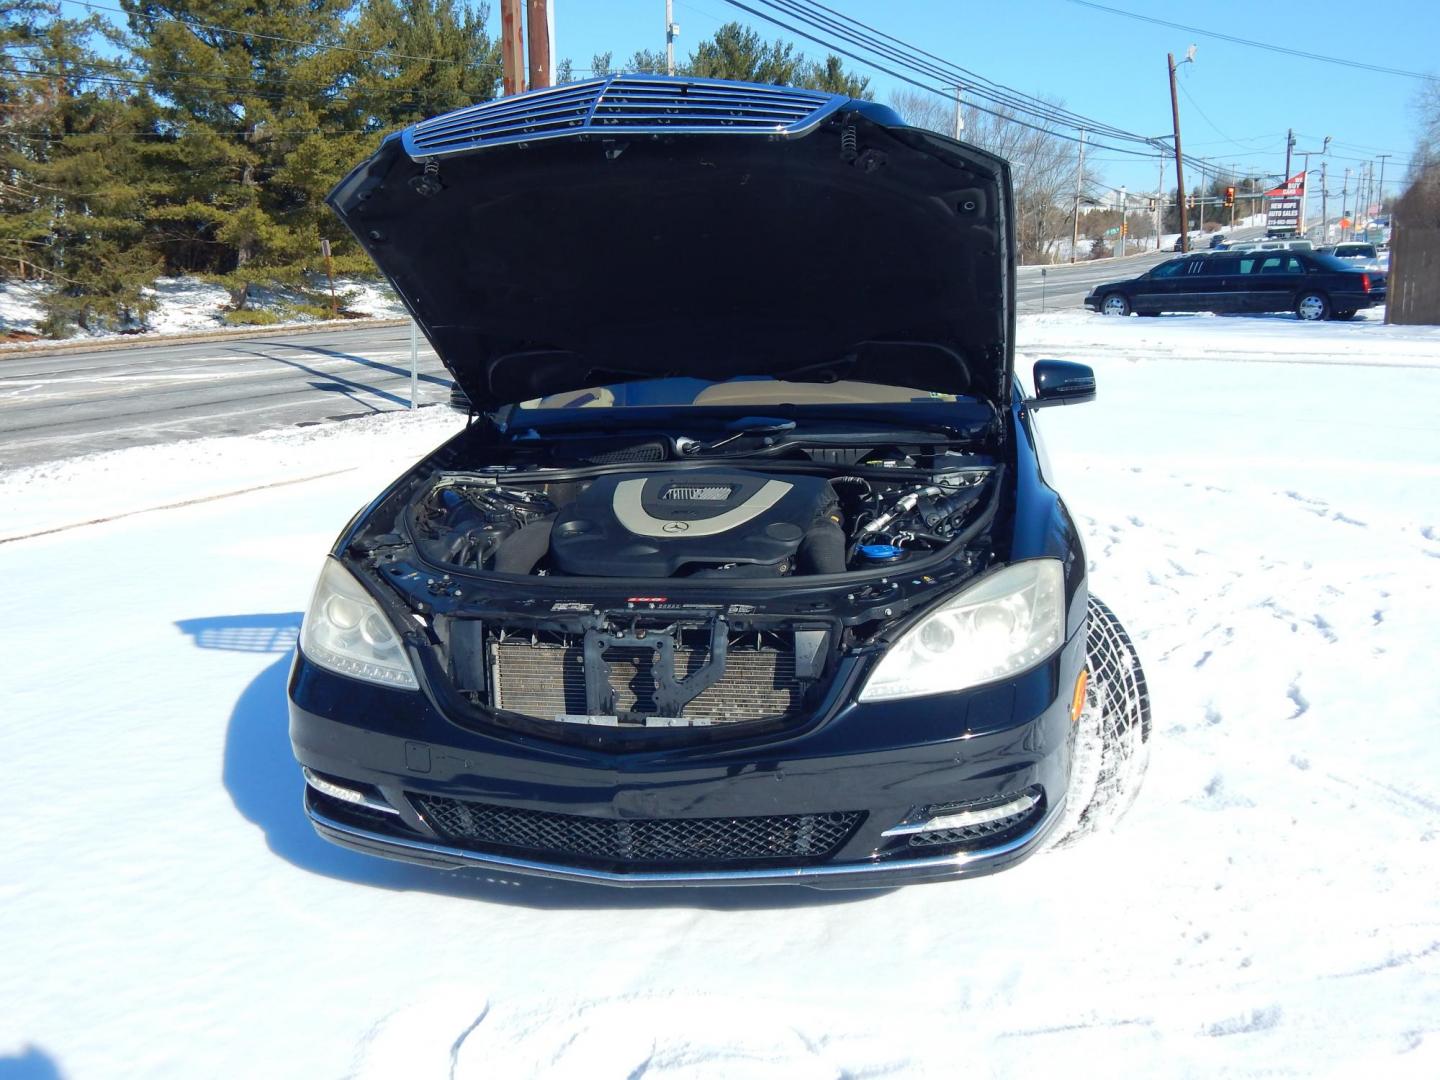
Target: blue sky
(1236,101)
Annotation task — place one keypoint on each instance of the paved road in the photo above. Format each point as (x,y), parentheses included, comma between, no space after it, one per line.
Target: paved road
(1065,286)
(54,406)
(58,405)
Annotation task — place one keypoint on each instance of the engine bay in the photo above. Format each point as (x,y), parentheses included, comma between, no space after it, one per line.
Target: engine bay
(691,520)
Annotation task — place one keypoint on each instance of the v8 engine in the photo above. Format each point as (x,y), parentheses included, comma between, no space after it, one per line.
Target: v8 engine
(700,522)
(685,522)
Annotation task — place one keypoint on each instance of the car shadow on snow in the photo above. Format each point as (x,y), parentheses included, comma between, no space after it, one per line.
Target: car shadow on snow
(266,786)
(31,1063)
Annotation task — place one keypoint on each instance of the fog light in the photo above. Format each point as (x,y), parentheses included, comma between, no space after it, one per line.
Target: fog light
(346,794)
(963,819)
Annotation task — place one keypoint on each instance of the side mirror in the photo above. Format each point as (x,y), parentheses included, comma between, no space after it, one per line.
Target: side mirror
(1061,382)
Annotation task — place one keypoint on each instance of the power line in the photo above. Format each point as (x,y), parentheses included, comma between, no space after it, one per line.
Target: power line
(949,74)
(945,92)
(1343,61)
(979,85)
(1205,117)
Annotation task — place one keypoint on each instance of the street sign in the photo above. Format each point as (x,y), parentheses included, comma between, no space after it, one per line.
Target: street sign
(1113,232)
(1283,214)
(1293,188)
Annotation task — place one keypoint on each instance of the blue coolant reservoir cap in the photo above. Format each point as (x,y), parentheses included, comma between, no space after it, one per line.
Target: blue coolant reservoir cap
(881,552)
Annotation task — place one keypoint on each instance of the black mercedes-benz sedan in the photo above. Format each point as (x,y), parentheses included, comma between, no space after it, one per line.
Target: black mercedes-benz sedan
(746,567)
(1311,284)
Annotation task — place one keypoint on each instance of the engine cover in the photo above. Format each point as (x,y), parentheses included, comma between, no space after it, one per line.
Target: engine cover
(673,523)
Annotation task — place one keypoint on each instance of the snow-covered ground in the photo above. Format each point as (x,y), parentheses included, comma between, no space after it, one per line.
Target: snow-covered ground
(188,304)
(1261,505)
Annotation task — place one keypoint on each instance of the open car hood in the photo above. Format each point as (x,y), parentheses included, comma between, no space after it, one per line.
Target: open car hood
(642,227)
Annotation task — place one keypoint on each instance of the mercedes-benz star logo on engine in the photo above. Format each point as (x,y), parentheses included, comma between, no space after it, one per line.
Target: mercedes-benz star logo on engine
(677,526)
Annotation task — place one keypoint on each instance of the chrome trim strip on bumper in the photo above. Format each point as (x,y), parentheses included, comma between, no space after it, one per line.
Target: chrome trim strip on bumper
(939,865)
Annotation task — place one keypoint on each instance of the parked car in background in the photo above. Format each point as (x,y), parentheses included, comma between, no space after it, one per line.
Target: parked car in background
(1196,239)
(1312,285)
(1366,256)
(766,583)
(1271,245)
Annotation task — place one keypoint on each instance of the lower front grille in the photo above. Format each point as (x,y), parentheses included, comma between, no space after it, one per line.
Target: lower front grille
(548,680)
(639,843)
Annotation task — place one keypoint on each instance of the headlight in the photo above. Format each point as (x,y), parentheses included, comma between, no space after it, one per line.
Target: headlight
(346,631)
(1000,626)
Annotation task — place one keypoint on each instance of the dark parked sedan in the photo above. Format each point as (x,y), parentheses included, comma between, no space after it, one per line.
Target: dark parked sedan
(746,567)
(1313,285)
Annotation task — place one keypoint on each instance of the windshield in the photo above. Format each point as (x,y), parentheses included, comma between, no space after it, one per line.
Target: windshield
(744,391)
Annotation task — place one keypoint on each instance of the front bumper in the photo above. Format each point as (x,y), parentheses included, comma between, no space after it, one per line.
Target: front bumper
(887,764)
(849,875)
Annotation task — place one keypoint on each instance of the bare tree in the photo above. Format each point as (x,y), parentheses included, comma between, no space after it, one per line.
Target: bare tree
(1427,110)
(920,109)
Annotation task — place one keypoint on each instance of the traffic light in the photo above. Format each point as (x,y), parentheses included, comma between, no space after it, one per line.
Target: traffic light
(1124,228)
(1229,197)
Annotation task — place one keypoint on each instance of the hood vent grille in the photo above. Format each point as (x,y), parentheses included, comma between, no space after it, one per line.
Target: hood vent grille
(623,104)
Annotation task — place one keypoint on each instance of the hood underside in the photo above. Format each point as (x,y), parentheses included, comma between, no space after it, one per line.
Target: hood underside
(843,247)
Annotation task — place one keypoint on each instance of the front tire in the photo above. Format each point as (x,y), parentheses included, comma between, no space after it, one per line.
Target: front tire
(1112,737)
(1115,304)
(1312,307)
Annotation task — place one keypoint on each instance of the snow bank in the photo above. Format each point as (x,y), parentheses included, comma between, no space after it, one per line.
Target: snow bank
(1261,513)
(20,306)
(188,304)
(139,479)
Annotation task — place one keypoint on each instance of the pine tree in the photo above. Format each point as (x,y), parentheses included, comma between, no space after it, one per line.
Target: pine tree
(73,204)
(426,57)
(254,123)
(738,52)
(831,76)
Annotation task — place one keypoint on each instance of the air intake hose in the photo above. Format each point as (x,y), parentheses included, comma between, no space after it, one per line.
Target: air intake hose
(822,551)
(519,552)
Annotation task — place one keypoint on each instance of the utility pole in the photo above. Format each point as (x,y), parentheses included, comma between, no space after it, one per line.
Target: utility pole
(960,118)
(1381,198)
(1345,204)
(672,29)
(537,21)
(1079,180)
(512,47)
(1179,165)
(1289,146)
(1234,173)
(1362,196)
(1124,207)
(1305,180)
(1201,201)
(1159,203)
(1324,206)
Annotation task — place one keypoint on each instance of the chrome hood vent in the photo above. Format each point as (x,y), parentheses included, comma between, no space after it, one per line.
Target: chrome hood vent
(623,105)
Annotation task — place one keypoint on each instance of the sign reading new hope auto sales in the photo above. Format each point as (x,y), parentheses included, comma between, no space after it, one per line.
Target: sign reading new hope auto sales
(1283,211)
